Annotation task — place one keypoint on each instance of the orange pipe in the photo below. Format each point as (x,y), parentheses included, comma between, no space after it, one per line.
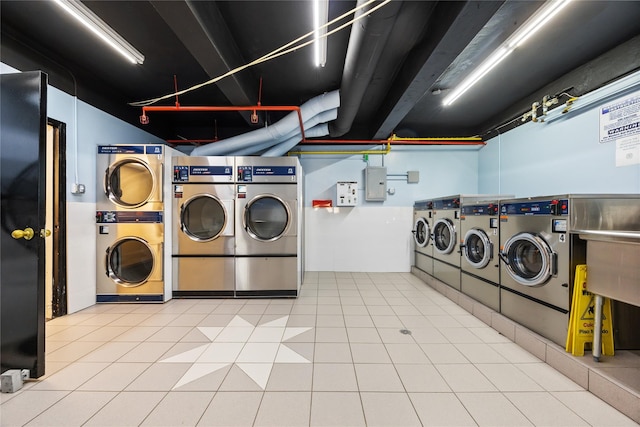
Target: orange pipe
(210,108)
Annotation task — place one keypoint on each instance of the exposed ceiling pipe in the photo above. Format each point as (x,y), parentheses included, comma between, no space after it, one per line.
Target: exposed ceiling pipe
(278,132)
(314,128)
(366,43)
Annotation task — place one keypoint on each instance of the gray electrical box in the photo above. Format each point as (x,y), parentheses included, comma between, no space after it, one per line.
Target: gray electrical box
(375,183)
(413,177)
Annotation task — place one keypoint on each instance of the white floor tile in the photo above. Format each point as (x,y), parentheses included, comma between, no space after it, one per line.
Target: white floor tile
(492,409)
(543,408)
(345,362)
(179,409)
(389,409)
(441,409)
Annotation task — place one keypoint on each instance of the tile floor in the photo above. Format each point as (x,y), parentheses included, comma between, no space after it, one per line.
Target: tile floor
(335,356)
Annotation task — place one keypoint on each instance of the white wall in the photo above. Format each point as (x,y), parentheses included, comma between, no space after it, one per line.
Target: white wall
(376,236)
(559,157)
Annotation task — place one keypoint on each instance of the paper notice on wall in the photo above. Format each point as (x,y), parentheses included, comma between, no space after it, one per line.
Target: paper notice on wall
(620,119)
(628,151)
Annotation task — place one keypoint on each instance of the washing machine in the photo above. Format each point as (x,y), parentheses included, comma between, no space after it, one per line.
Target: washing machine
(540,248)
(203,228)
(130,177)
(130,256)
(538,261)
(479,245)
(268,255)
(446,253)
(422,222)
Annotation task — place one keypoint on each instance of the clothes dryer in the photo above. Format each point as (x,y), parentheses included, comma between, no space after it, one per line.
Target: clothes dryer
(130,177)
(479,244)
(268,226)
(130,256)
(204,226)
(422,230)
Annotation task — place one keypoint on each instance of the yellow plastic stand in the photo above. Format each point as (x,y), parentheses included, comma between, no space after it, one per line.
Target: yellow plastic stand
(582,318)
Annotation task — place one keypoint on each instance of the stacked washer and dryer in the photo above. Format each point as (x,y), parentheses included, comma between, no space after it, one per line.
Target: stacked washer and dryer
(130,220)
(238,227)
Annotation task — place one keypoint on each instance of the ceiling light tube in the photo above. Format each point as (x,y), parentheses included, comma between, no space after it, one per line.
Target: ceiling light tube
(320,19)
(532,26)
(97,26)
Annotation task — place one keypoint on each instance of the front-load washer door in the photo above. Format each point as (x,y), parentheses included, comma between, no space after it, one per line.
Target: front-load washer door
(529,259)
(444,236)
(131,262)
(266,218)
(422,232)
(477,248)
(130,183)
(205,217)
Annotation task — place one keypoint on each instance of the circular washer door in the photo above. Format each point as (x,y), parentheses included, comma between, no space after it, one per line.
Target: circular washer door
(478,249)
(203,217)
(529,259)
(444,236)
(422,232)
(129,183)
(130,262)
(266,218)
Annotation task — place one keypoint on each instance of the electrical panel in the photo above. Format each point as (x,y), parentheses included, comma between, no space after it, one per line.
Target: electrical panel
(375,183)
(413,177)
(347,193)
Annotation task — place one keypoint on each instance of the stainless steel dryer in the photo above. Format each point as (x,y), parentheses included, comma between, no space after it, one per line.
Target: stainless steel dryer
(204,227)
(268,226)
(480,268)
(422,230)
(130,256)
(130,177)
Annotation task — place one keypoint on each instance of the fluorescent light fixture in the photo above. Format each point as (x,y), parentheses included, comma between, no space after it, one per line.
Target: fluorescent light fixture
(517,39)
(320,19)
(97,26)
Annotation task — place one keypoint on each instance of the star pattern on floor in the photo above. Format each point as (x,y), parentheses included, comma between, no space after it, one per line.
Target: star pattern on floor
(254,349)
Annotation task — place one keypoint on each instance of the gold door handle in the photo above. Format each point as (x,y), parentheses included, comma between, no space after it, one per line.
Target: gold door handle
(45,233)
(26,234)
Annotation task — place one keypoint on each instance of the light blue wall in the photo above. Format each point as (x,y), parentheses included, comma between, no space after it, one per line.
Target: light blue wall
(442,171)
(94,127)
(563,156)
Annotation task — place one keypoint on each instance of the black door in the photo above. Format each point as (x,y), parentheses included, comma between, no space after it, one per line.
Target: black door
(22,218)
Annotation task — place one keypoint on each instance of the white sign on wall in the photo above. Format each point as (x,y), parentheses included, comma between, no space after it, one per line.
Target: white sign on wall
(620,123)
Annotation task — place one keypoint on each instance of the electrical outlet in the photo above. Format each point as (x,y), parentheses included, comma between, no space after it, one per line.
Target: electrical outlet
(77,189)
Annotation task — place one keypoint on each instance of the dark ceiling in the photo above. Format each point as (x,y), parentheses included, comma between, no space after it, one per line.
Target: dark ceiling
(392,68)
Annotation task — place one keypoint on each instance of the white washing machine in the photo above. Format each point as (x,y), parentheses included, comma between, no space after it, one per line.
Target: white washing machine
(130,177)
(203,226)
(130,256)
(480,241)
(422,230)
(268,255)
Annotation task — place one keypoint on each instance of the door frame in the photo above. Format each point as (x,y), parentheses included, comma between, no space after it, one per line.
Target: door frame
(59,232)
